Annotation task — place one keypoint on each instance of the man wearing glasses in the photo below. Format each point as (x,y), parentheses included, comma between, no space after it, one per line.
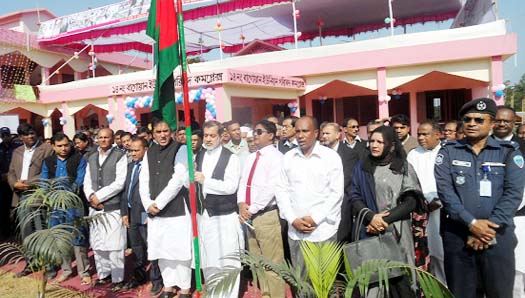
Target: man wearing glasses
(450,130)
(352,139)
(480,182)
(257,204)
(504,126)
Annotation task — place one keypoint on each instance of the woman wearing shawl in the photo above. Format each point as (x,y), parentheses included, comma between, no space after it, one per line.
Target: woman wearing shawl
(386,184)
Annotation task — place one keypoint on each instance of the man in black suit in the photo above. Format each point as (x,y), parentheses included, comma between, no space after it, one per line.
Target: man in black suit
(330,137)
(288,141)
(134,218)
(505,124)
(351,137)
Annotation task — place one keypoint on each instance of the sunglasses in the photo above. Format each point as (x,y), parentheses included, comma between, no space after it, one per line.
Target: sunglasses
(259,131)
(476,119)
(353,126)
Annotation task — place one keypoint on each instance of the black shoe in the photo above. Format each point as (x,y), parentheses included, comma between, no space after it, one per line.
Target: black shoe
(155,289)
(102,282)
(167,295)
(117,287)
(133,284)
(24,272)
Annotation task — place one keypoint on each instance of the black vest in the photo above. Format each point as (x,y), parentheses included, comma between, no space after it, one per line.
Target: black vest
(104,174)
(72,163)
(218,204)
(160,164)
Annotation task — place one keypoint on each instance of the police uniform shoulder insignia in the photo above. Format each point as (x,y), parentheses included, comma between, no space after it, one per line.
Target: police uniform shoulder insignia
(518,160)
(439,159)
(510,144)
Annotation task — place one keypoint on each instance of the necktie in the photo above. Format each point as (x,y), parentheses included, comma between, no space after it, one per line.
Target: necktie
(134,176)
(250,178)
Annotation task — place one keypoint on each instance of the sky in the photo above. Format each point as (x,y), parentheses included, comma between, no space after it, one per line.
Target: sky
(511,10)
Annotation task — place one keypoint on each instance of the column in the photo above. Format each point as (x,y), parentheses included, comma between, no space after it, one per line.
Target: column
(119,113)
(297,112)
(44,73)
(413,113)
(48,129)
(69,127)
(309,106)
(77,76)
(382,92)
(112,111)
(223,105)
(496,72)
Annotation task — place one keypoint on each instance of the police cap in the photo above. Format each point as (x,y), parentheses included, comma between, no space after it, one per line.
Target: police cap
(480,105)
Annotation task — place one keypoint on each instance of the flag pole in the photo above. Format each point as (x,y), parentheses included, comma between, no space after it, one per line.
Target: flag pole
(187,122)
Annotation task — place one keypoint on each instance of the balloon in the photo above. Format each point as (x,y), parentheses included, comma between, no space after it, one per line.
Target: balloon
(299,34)
(387,98)
(394,92)
(495,88)
(499,93)
(290,105)
(132,113)
(502,86)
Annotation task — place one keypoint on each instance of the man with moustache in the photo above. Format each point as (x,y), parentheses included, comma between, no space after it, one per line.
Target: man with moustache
(162,185)
(422,159)
(480,182)
(288,141)
(134,219)
(310,190)
(68,163)
(257,205)
(217,174)
(105,177)
(24,169)
(504,126)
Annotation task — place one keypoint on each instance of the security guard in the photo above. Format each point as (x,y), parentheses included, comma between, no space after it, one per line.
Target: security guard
(480,181)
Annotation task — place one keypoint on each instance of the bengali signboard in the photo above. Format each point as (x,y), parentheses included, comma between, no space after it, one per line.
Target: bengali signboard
(124,11)
(215,78)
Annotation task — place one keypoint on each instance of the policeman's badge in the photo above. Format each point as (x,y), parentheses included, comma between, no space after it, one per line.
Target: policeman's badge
(439,159)
(518,160)
(460,180)
(481,106)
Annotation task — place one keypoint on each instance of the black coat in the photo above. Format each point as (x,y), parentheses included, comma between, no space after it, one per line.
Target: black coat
(136,210)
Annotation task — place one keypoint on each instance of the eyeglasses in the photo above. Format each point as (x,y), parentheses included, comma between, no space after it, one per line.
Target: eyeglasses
(353,126)
(503,121)
(259,131)
(476,119)
(449,131)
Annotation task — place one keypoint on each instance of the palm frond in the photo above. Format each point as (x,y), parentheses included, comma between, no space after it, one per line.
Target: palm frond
(322,261)
(51,245)
(11,253)
(361,276)
(223,281)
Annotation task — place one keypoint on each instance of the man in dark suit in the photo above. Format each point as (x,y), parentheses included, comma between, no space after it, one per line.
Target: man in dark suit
(351,137)
(504,126)
(288,141)
(134,218)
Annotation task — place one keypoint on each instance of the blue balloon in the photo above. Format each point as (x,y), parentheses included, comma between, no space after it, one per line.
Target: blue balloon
(499,93)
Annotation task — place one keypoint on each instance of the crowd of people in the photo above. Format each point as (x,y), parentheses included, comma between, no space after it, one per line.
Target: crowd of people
(453,193)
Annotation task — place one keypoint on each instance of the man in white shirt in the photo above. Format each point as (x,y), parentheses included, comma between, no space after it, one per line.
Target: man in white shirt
(423,158)
(310,190)
(257,204)
(104,180)
(217,174)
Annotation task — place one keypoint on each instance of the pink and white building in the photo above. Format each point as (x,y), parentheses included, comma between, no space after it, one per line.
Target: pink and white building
(424,75)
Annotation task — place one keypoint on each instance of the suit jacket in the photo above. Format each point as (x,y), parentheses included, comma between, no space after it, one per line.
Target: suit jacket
(349,157)
(410,144)
(42,151)
(135,212)
(283,148)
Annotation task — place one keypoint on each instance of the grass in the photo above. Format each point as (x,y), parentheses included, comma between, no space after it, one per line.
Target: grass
(25,287)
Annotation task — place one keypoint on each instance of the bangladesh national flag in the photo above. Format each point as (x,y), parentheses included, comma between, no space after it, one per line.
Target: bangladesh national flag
(162,27)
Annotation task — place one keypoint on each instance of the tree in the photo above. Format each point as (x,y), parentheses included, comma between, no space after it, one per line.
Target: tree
(515,94)
(50,200)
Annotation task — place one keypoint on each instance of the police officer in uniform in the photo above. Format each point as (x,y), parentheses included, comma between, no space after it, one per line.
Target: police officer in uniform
(480,182)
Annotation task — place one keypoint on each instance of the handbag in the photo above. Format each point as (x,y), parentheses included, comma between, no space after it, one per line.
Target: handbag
(384,246)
